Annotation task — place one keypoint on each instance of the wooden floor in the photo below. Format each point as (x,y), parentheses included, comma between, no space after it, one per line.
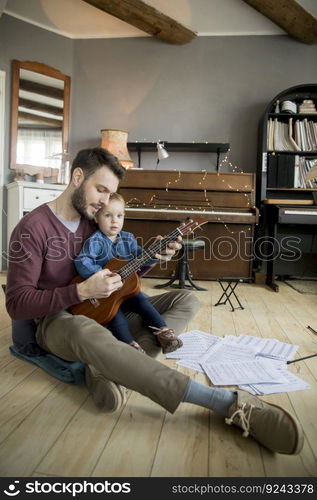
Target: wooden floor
(48,428)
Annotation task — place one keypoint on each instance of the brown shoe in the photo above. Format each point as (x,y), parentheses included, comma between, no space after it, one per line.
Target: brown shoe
(167,339)
(269,424)
(107,395)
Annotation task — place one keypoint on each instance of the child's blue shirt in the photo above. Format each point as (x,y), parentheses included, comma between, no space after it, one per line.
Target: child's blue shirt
(99,249)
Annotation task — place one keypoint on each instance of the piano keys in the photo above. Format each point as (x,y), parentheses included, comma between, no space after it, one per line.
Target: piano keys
(296,215)
(157,201)
(293,227)
(225,216)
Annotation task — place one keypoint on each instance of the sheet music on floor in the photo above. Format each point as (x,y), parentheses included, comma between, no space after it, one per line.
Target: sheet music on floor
(292,383)
(255,364)
(270,348)
(242,372)
(229,363)
(195,344)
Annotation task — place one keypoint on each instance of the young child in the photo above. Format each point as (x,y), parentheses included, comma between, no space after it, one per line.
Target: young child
(111,242)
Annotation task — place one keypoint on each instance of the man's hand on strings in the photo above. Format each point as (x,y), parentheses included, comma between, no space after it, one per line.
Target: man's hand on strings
(170,250)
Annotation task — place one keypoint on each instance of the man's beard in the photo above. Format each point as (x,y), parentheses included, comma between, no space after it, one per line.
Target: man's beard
(79,202)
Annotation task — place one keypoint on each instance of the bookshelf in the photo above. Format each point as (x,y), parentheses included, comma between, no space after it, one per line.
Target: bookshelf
(287,148)
(280,165)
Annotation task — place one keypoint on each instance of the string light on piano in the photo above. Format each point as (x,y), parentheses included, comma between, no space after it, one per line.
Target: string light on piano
(152,198)
(225,161)
(175,181)
(179,177)
(135,201)
(204,178)
(207,200)
(213,208)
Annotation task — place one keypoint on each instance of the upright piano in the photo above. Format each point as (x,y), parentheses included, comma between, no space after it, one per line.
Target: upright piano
(291,230)
(157,201)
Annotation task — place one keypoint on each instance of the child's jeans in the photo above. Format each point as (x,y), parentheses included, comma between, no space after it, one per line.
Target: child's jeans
(138,304)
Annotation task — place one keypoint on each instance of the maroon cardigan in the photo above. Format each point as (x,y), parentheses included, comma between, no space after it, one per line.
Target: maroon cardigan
(41,267)
(40,264)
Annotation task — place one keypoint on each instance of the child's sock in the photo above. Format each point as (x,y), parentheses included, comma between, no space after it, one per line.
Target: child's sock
(218,400)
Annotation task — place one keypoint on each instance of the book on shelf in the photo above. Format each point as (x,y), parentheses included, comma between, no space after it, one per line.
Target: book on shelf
(291,135)
(297,135)
(300,135)
(313,131)
(290,171)
(296,172)
(312,172)
(270,135)
(272,171)
(285,171)
(281,171)
(307,168)
(303,136)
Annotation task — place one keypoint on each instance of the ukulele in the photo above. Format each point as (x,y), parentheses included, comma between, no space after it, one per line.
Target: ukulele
(103,310)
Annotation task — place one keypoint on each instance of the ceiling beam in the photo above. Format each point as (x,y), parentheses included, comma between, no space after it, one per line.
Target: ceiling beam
(39,88)
(146,18)
(39,106)
(42,120)
(290,16)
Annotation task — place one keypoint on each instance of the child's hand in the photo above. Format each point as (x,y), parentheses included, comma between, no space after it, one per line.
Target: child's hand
(170,250)
(100,285)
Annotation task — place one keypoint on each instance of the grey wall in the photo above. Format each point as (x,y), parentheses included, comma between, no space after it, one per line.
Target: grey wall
(22,41)
(214,89)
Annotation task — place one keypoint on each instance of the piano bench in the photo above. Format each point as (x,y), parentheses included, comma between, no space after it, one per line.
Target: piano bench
(182,272)
(228,286)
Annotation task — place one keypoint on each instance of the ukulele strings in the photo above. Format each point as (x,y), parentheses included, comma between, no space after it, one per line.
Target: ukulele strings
(148,253)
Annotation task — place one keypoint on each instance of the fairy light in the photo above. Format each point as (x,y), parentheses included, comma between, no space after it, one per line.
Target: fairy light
(208,204)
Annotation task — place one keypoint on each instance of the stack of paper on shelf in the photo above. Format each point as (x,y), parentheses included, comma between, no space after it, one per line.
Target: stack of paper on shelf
(307,173)
(298,136)
(255,364)
(307,106)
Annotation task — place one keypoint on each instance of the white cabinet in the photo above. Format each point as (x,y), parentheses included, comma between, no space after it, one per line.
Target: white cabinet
(25,196)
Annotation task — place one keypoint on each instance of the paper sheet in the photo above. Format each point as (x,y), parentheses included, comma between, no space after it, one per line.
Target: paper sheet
(255,364)
(195,345)
(223,352)
(244,372)
(265,346)
(292,384)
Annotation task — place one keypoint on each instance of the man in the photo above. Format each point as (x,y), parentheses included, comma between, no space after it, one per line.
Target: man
(43,246)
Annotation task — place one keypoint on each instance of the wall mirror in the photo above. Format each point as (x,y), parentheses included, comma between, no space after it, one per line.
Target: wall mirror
(39,119)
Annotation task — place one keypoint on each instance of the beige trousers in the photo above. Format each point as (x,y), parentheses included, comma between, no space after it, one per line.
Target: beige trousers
(81,338)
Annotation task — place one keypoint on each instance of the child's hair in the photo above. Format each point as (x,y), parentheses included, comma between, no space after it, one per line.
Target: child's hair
(117,197)
(113,197)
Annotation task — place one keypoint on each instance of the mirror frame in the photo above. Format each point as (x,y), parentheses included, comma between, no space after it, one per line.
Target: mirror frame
(47,71)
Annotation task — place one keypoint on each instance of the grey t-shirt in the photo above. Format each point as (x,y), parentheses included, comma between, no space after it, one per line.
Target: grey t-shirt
(71,225)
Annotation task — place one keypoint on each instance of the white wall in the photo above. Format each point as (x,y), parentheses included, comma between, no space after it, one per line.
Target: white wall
(2,111)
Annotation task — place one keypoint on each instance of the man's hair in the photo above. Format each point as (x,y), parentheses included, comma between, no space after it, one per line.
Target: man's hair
(117,197)
(90,160)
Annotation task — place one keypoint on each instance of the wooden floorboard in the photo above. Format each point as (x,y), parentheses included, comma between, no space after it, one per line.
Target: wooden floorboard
(51,429)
